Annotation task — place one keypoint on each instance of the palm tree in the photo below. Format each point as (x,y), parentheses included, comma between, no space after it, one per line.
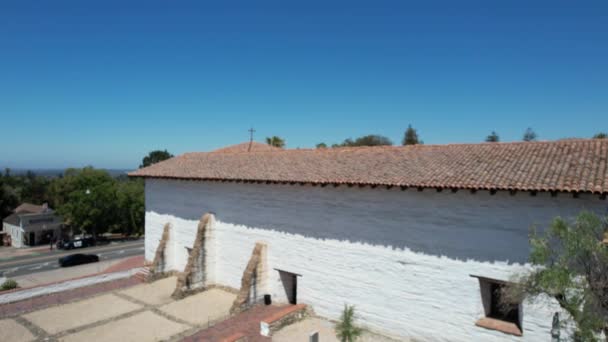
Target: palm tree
(346,330)
(275,141)
(493,137)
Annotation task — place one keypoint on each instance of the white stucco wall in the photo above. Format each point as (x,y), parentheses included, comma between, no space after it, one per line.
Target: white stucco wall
(37,223)
(15,232)
(404,258)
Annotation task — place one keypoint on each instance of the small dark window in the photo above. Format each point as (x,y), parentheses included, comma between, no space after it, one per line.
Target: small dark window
(500,309)
(500,314)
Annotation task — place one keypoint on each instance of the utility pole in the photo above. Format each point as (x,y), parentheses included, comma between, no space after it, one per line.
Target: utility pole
(251,131)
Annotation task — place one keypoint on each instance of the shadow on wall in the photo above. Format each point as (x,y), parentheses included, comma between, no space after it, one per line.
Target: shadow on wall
(458,225)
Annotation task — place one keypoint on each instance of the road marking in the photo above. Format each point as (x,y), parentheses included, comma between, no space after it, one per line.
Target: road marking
(49,262)
(9,270)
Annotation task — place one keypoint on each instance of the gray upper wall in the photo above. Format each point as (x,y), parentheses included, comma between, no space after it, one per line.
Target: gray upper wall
(459,225)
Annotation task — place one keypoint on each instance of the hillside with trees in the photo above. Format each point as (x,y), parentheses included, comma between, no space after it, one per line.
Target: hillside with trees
(90,200)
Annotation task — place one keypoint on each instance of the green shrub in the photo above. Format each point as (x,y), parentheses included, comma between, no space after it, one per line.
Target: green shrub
(346,330)
(9,284)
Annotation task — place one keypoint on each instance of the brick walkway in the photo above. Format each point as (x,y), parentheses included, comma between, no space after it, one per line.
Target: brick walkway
(37,303)
(127,264)
(247,323)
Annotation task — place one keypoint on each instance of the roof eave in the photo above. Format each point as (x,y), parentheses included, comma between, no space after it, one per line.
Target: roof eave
(403,186)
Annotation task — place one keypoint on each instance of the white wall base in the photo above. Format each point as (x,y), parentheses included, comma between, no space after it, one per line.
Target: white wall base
(394,290)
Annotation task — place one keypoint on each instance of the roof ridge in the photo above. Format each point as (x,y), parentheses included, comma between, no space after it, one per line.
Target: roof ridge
(245,147)
(418,146)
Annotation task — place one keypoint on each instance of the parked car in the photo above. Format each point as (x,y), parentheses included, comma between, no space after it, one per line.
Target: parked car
(76,243)
(77,259)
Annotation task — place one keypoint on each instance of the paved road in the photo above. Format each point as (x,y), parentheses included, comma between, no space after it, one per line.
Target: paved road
(48,261)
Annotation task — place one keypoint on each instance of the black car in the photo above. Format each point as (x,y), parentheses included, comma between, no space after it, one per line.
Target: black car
(76,243)
(77,259)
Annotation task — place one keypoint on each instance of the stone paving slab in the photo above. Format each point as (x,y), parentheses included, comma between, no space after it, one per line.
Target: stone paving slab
(156,293)
(201,308)
(144,326)
(37,303)
(57,319)
(12,331)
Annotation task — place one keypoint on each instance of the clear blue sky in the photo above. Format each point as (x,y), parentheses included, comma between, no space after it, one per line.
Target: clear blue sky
(102,82)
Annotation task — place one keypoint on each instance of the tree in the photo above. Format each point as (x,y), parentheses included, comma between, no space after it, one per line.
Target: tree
(87,200)
(90,200)
(131,206)
(571,265)
(33,188)
(93,202)
(493,137)
(601,135)
(321,145)
(8,199)
(529,135)
(21,188)
(366,140)
(373,140)
(345,143)
(275,141)
(155,157)
(346,330)
(411,137)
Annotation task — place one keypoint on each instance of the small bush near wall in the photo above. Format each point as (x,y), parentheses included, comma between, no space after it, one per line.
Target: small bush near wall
(9,284)
(346,330)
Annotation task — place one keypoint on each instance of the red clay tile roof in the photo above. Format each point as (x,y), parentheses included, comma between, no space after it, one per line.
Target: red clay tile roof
(244,147)
(566,165)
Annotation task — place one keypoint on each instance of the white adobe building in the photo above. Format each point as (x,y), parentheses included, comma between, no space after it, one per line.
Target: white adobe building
(31,225)
(415,237)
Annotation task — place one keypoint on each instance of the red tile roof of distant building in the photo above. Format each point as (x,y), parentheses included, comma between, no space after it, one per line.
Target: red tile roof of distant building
(28,208)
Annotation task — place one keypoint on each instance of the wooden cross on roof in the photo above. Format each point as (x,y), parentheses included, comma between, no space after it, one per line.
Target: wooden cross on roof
(251,131)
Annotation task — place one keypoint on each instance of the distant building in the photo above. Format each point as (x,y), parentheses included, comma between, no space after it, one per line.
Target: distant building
(419,238)
(32,225)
